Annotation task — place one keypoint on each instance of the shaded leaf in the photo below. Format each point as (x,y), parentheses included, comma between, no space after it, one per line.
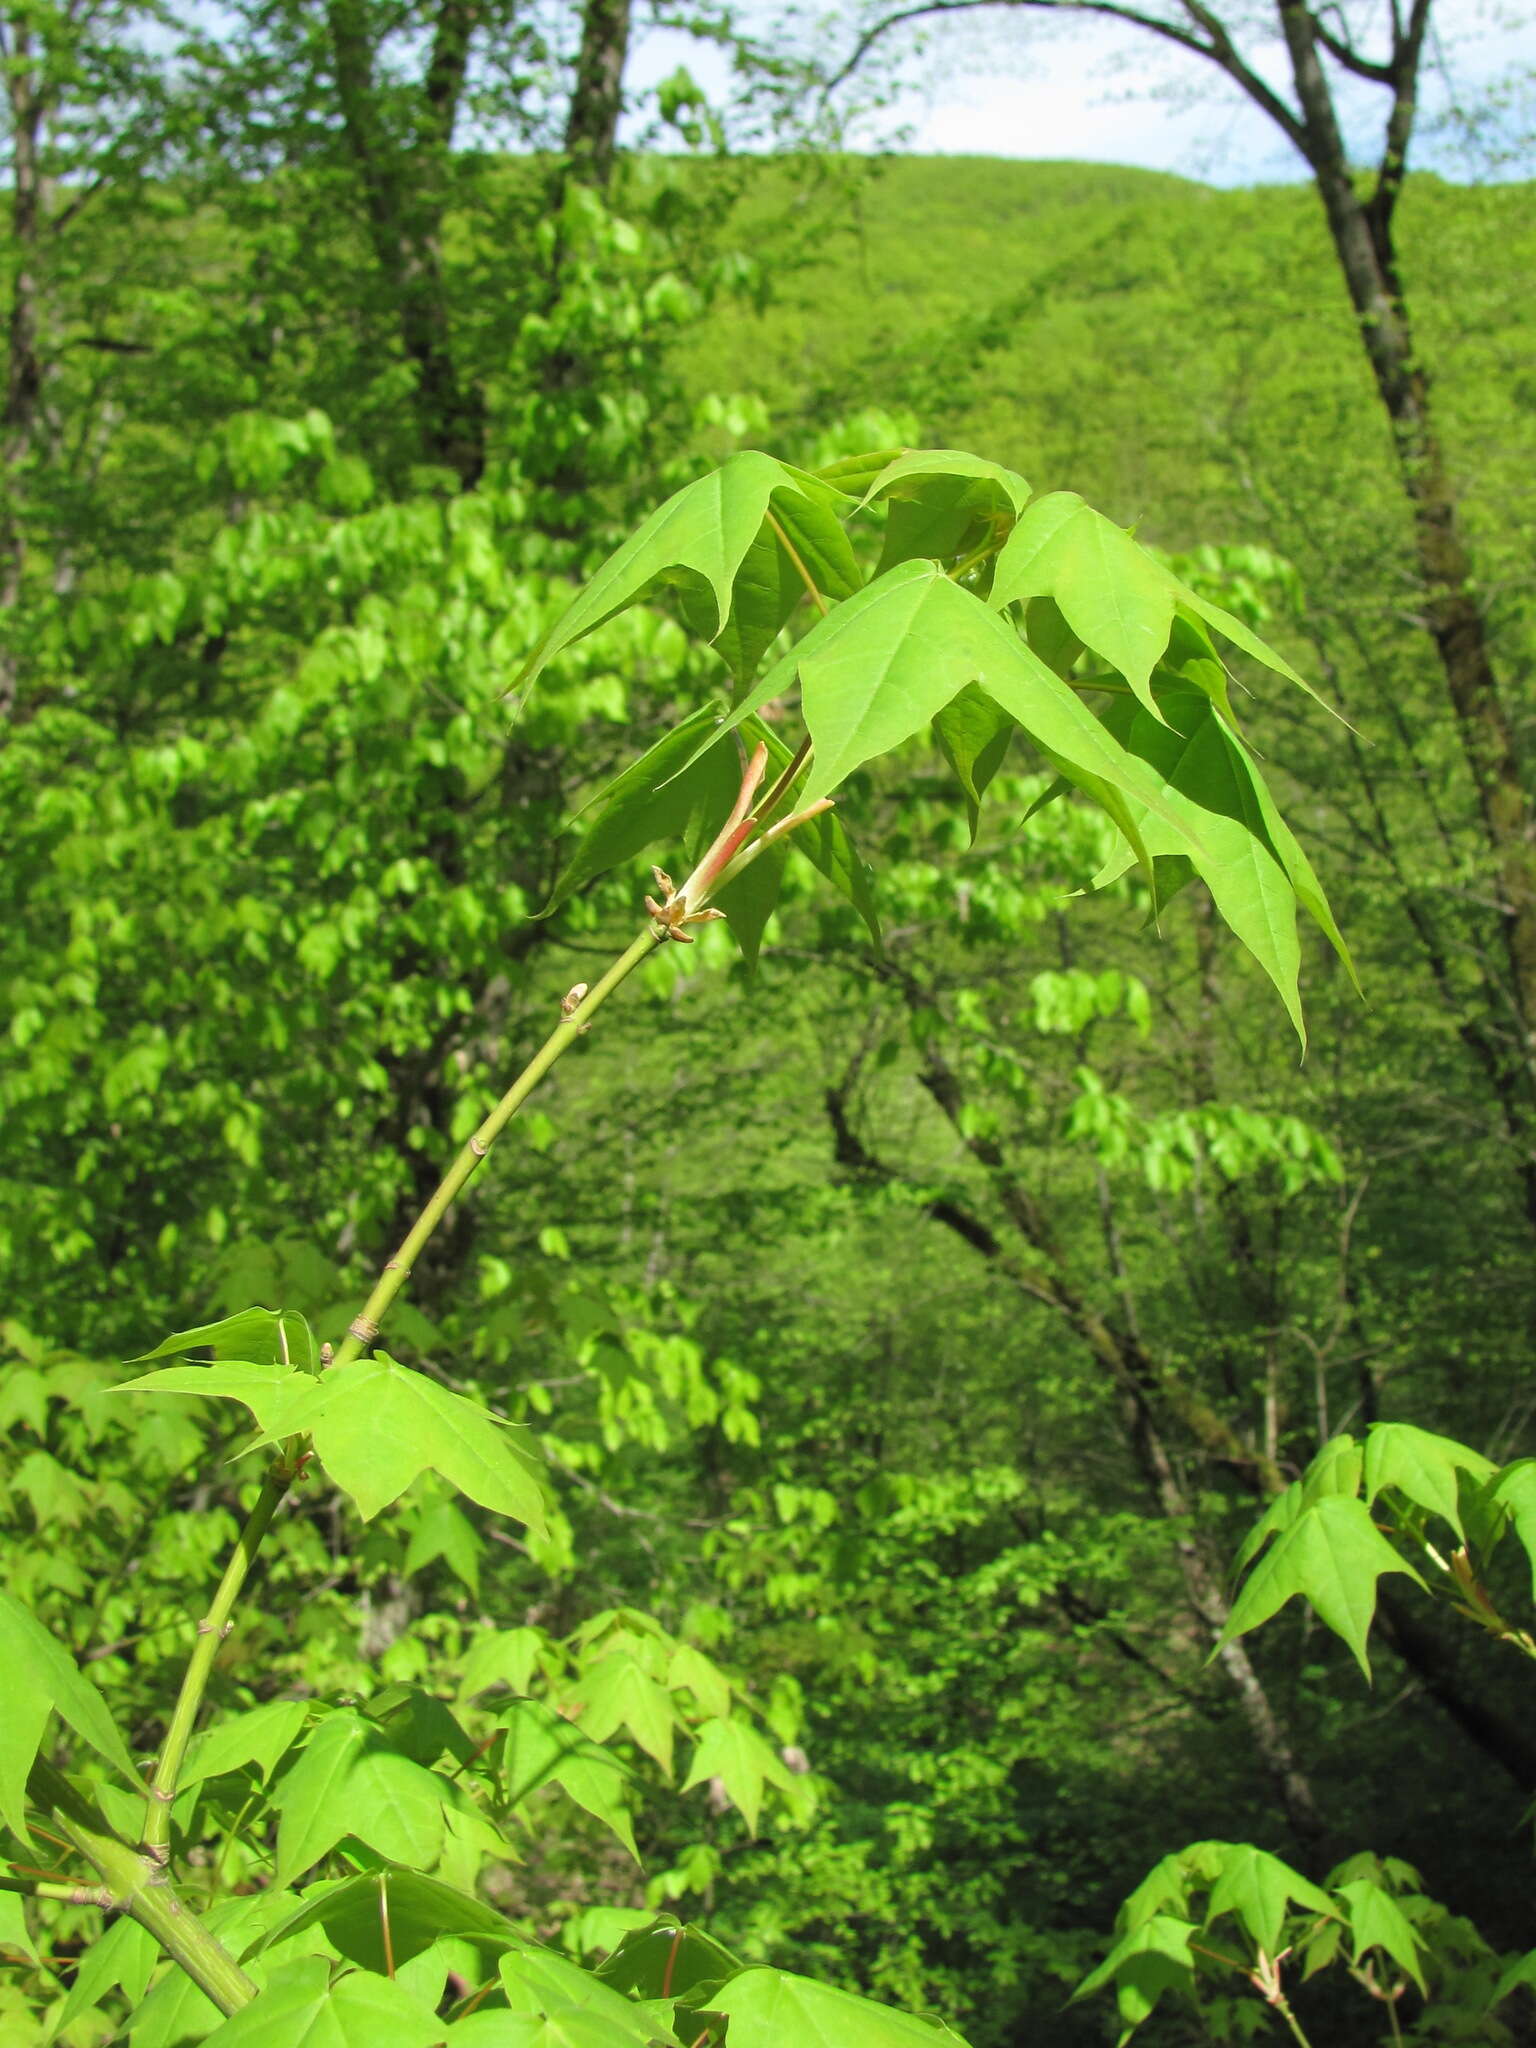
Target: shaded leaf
(1421,1465)
(262,1737)
(417,1910)
(1152,1959)
(668,1960)
(973,732)
(698,540)
(542,1749)
(349,1781)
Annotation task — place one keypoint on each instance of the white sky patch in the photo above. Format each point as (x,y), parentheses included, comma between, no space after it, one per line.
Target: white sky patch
(1014,83)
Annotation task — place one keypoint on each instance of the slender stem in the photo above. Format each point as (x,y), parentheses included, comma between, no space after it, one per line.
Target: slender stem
(211,1631)
(792,768)
(365,1327)
(135,1884)
(49,1888)
(801,570)
(1283,2008)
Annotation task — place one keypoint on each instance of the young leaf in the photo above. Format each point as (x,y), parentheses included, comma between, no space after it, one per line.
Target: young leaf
(973,732)
(376,1426)
(615,1693)
(1153,1958)
(122,1959)
(1376,1920)
(1207,778)
(676,787)
(1421,1465)
(261,1737)
(1119,600)
(1335,1469)
(800,548)
(738,1756)
(263,1336)
(1259,1889)
(540,1748)
(301,2005)
(698,539)
(773,2009)
(537,1981)
(41,1677)
(1514,1490)
(1332,1555)
(274,1393)
(944,503)
(349,1781)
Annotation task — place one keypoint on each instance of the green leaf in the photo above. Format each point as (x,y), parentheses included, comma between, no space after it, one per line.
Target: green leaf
(349,1781)
(1376,1920)
(887,661)
(615,1693)
(1521,1971)
(769,584)
(376,1426)
(1207,778)
(543,1749)
(973,732)
(1335,1469)
(15,1937)
(41,1677)
(668,1960)
(1153,1958)
(441,1531)
(261,1737)
(773,2009)
(417,1911)
(1332,1555)
(539,1982)
(702,1677)
(271,1391)
(698,540)
(1118,599)
(738,1756)
(565,2027)
(854,474)
(301,2008)
(944,504)
(1259,1888)
(1514,1490)
(263,1336)
(124,1959)
(1421,1465)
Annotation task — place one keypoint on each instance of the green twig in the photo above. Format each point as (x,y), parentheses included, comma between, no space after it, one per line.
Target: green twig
(364,1328)
(135,1884)
(211,1631)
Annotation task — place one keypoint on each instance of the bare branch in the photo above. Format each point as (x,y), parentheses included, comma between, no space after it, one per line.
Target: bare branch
(1344,53)
(1214,43)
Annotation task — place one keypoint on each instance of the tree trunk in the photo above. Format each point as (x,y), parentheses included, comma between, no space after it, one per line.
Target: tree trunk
(597,98)
(404,198)
(1362,238)
(23,364)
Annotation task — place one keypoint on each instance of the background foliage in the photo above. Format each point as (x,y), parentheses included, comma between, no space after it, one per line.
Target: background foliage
(913,1338)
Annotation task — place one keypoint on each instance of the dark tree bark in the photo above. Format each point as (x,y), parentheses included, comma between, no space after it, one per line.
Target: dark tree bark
(405,198)
(597,99)
(23,363)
